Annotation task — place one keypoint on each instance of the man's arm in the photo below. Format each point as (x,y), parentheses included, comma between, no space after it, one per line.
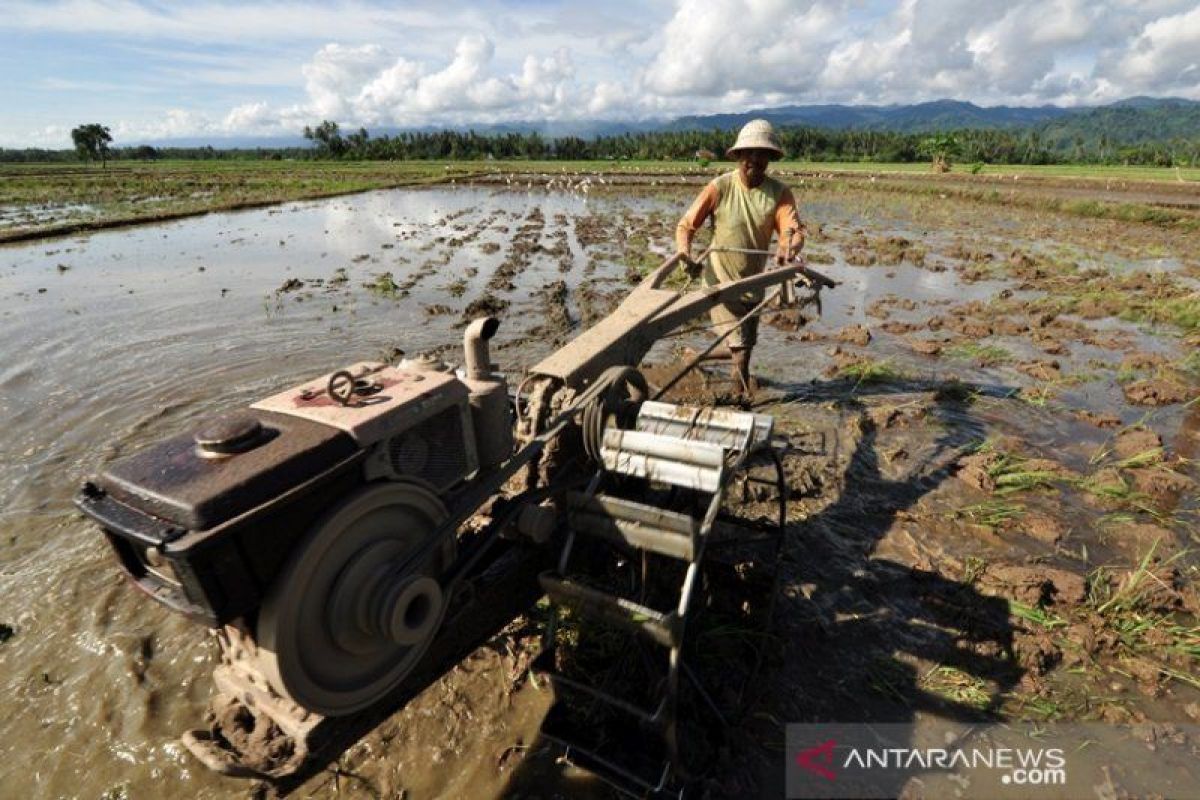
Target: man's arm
(695,216)
(789,228)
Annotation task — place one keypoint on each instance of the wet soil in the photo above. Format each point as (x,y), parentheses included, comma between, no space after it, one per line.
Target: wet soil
(990,433)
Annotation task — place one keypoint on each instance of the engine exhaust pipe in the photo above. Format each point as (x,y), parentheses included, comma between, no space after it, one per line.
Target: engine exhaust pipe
(475,348)
(490,414)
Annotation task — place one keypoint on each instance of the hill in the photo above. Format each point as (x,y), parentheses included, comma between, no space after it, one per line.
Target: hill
(918,118)
(1139,120)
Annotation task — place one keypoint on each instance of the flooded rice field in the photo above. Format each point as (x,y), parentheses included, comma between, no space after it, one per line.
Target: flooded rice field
(992,431)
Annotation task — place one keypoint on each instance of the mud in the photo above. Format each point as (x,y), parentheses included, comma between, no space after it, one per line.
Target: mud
(261,745)
(976,515)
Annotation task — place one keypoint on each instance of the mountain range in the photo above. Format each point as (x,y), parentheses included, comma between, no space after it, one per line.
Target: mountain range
(1131,121)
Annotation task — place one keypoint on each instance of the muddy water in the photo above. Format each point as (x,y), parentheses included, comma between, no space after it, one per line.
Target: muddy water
(117,339)
(142,333)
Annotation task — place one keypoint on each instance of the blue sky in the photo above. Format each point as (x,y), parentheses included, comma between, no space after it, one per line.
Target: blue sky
(211,68)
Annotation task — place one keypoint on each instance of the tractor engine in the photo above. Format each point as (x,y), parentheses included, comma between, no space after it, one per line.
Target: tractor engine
(297,519)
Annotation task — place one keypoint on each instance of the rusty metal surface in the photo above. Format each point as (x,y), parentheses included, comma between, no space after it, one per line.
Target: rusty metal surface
(174,482)
(616,339)
(644,317)
(402,399)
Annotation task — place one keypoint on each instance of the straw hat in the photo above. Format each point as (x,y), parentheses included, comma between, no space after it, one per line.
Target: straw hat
(757,134)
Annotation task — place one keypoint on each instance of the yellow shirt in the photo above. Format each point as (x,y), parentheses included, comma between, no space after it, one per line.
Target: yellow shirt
(745,218)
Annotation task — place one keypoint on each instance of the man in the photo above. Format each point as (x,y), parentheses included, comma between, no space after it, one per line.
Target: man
(747,207)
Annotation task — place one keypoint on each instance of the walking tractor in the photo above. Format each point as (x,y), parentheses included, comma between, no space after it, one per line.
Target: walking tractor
(335,534)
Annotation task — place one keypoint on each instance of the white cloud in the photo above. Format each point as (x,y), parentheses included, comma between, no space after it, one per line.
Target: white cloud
(280,65)
(722,46)
(369,85)
(337,73)
(1164,57)
(174,123)
(251,117)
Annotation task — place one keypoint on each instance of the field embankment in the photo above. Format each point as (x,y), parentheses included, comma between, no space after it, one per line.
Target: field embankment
(46,200)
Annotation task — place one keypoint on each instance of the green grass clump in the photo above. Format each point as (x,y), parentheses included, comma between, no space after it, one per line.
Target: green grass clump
(1116,490)
(1181,312)
(1189,364)
(1144,631)
(957,686)
(870,372)
(990,513)
(1010,473)
(1011,478)
(1044,707)
(983,354)
(1039,396)
(1127,212)
(1144,459)
(384,285)
(1037,615)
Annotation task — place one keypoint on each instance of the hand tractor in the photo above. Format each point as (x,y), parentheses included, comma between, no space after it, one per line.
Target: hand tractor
(332,534)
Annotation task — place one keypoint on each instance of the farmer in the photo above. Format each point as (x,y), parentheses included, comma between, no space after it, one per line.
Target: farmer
(746,207)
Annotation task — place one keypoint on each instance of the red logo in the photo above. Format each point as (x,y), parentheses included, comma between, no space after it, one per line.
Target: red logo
(818,760)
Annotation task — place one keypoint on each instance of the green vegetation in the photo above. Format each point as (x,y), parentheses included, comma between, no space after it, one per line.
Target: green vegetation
(91,142)
(81,198)
(1035,614)
(957,686)
(1111,487)
(1130,607)
(52,199)
(1182,312)
(990,513)
(985,355)
(1011,473)
(870,372)
(941,148)
(1143,459)
(1106,132)
(383,285)
(1161,134)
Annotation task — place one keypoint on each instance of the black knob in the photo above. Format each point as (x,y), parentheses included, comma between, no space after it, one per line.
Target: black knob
(229,435)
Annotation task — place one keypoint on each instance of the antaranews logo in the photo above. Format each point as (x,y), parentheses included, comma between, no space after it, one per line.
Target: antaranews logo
(843,760)
(819,760)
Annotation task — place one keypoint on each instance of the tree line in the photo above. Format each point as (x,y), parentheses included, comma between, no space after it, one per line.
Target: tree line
(965,146)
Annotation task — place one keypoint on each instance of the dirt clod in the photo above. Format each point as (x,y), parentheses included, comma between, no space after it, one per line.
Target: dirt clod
(1155,392)
(854,334)
(925,346)
(1136,442)
(1034,586)
(1160,483)
(1140,537)
(1043,527)
(259,743)
(1100,420)
(973,471)
(1041,370)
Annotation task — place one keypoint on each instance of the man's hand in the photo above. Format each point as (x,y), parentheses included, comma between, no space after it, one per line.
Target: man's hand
(692,268)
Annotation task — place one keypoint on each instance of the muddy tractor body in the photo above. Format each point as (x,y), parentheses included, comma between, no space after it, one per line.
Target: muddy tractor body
(330,534)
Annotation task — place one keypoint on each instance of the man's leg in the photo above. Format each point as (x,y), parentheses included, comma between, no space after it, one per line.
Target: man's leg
(724,317)
(741,369)
(721,353)
(742,344)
